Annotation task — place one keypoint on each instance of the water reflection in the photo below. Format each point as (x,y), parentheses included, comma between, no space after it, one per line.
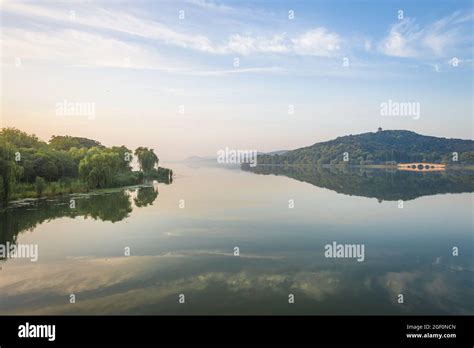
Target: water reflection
(110,206)
(381,184)
(145,196)
(190,251)
(228,285)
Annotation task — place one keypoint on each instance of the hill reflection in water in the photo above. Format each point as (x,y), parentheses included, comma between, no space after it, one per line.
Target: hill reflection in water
(383,185)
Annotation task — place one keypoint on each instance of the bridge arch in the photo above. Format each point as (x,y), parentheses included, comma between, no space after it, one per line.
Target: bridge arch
(421,166)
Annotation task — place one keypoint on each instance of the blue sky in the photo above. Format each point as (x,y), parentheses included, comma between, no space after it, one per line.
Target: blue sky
(171,83)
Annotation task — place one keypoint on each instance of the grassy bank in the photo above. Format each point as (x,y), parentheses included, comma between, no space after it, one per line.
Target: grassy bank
(50,189)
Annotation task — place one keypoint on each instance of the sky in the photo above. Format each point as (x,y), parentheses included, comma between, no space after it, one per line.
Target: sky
(194,77)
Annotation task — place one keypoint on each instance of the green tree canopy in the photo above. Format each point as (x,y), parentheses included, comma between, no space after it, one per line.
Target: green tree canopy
(44,168)
(98,168)
(67,142)
(19,139)
(147,159)
(9,170)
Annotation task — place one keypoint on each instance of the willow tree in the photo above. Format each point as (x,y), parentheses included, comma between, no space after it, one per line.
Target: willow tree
(97,168)
(147,160)
(9,170)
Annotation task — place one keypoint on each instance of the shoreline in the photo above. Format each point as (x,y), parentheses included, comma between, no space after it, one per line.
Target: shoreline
(17,202)
(75,187)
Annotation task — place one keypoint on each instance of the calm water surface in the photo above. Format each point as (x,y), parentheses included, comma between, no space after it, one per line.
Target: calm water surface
(190,250)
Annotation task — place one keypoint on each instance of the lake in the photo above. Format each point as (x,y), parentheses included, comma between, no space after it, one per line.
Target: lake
(229,241)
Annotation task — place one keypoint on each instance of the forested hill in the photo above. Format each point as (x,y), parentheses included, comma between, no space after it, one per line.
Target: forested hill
(378,148)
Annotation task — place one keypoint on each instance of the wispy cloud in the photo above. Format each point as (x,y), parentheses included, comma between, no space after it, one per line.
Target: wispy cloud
(211,5)
(408,39)
(248,45)
(70,47)
(119,37)
(316,42)
(116,21)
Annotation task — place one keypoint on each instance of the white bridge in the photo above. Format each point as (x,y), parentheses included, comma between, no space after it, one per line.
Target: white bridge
(421,167)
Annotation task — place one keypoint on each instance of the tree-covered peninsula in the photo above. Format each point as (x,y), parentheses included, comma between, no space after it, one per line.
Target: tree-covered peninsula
(31,168)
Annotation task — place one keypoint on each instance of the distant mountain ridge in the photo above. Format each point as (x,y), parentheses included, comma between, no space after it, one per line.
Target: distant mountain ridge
(214,158)
(199,159)
(280,152)
(378,148)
